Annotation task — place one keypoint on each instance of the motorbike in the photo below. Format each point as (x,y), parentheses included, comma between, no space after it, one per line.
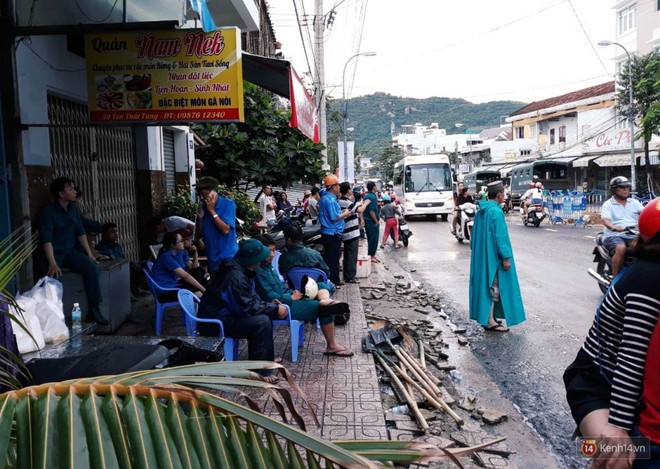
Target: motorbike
(404,232)
(535,213)
(603,272)
(506,205)
(311,235)
(465,214)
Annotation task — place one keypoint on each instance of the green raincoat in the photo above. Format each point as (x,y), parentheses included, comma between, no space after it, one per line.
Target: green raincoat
(490,246)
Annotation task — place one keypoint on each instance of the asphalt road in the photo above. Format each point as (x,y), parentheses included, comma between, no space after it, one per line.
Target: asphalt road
(560,301)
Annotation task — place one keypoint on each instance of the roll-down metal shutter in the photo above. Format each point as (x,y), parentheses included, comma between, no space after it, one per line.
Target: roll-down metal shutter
(168,160)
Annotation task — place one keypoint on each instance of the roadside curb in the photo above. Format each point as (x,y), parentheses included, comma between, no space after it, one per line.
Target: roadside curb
(470,377)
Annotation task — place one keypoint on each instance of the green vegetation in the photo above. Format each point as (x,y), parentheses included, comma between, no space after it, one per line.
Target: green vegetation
(371,117)
(646,98)
(261,150)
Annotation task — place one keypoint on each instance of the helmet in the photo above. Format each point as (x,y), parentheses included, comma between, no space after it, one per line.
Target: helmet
(330,180)
(387,198)
(619,181)
(649,220)
(539,185)
(309,287)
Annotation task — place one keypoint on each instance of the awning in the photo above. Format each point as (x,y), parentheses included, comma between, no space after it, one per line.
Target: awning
(583,162)
(559,160)
(270,74)
(279,77)
(491,167)
(613,160)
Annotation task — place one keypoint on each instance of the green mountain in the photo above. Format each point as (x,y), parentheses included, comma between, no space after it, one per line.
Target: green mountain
(371,117)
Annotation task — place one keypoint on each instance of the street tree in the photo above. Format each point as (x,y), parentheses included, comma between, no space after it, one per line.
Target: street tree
(386,161)
(262,150)
(651,119)
(644,71)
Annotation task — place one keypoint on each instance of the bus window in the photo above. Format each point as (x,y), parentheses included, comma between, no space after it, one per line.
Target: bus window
(410,185)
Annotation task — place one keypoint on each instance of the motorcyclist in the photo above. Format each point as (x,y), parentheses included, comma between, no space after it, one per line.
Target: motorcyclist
(618,213)
(531,194)
(463,197)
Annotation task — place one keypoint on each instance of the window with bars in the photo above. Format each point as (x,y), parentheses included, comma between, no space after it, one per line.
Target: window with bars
(562,134)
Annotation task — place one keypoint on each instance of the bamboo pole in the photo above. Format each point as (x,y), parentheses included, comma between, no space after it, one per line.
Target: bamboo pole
(409,398)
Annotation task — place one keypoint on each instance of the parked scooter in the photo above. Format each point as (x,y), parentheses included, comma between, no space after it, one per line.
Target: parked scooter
(311,235)
(535,213)
(603,260)
(404,232)
(465,214)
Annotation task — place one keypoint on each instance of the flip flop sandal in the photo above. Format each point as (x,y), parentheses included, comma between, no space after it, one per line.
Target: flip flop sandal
(496,328)
(339,353)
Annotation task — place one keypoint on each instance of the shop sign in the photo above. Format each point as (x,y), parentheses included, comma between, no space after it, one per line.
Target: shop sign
(611,140)
(182,75)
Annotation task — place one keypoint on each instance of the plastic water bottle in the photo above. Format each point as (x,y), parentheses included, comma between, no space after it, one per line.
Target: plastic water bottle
(76,326)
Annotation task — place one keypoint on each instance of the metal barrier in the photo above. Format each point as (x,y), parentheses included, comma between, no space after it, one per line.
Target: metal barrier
(567,205)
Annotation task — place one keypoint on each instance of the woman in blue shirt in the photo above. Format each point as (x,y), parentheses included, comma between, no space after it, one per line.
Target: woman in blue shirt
(171,268)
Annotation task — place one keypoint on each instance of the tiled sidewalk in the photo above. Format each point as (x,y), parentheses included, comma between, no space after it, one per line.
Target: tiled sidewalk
(343,391)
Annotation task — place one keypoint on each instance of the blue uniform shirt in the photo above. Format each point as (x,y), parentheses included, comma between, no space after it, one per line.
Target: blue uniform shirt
(60,227)
(164,267)
(218,245)
(329,210)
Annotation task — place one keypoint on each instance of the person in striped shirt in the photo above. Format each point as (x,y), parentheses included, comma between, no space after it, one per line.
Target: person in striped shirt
(605,382)
(351,235)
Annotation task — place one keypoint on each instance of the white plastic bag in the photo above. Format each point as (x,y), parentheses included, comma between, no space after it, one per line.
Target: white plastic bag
(48,293)
(28,317)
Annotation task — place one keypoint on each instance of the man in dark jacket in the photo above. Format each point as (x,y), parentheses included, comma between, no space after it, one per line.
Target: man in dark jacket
(232,298)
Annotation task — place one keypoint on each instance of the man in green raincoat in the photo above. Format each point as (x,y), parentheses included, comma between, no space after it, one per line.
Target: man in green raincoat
(494,290)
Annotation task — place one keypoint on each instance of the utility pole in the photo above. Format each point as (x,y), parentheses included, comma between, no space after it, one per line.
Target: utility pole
(319,72)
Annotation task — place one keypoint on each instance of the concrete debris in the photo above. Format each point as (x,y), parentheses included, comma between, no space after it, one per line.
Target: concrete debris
(409,425)
(493,417)
(462,341)
(399,276)
(468,403)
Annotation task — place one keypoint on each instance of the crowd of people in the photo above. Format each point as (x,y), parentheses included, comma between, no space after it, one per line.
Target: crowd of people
(613,387)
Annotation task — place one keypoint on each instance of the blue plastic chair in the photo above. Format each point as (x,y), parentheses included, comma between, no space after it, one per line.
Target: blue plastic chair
(297,328)
(187,300)
(156,291)
(296,274)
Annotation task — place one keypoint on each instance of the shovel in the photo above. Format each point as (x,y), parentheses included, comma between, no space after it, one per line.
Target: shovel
(384,332)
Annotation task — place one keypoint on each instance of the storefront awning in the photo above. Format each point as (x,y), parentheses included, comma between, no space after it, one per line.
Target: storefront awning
(558,160)
(583,162)
(279,77)
(613,160)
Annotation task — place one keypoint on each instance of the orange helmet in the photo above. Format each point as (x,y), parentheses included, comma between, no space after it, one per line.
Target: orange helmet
(330,180)
(649,220)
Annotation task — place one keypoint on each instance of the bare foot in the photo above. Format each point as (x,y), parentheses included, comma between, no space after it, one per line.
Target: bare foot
(271,379)
(277,359)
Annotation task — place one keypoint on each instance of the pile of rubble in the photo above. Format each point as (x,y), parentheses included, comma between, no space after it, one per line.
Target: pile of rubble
(418,394)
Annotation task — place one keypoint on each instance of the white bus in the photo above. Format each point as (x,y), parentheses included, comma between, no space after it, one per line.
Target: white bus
(424,184)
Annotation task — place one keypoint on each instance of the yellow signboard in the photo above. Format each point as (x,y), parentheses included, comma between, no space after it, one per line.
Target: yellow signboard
(183,75)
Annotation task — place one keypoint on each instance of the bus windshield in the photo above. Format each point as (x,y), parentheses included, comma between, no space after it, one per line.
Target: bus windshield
(430,177)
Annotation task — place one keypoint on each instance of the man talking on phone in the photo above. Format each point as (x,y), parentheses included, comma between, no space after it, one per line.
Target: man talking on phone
(216,219)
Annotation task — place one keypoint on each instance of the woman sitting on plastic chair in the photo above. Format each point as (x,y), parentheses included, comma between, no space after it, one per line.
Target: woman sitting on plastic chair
(171,269)
(314,303)
(250,317)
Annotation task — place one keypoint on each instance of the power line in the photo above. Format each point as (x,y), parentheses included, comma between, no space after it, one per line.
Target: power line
(302,39)
(591,44)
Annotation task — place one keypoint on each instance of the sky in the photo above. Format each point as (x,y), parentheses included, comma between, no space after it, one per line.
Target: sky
(479,50)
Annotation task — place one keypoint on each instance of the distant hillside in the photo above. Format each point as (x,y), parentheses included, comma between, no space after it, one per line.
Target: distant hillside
(371,117)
